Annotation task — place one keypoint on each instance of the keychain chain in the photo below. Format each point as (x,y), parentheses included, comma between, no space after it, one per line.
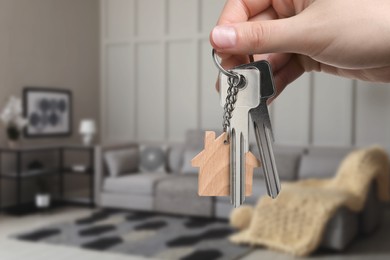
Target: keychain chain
(235,84)
(235,81)
(230,102)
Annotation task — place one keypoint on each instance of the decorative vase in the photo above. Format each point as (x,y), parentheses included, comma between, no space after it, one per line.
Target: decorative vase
(87,139)
(42,200)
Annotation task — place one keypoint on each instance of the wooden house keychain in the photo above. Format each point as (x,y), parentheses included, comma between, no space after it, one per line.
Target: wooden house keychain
(226,164)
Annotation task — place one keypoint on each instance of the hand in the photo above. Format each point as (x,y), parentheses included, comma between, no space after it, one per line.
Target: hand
(348,38)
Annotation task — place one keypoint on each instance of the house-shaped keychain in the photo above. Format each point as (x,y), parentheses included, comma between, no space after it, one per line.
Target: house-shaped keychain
(214,164)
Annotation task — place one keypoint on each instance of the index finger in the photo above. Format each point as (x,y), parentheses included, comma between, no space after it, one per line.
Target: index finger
(236,11)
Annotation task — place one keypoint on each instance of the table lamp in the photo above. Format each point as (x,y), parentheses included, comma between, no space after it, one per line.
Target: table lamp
(87,130)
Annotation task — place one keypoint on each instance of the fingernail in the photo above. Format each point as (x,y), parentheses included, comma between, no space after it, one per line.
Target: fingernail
(224,36)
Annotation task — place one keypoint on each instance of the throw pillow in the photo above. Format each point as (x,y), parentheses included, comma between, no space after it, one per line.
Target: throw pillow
(153,158)
(122,161)
(187,167)
(175,158)
(319,166)
(287,165)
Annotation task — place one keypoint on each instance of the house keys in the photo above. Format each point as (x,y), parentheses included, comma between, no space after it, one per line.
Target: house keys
(245,90)
(226,164)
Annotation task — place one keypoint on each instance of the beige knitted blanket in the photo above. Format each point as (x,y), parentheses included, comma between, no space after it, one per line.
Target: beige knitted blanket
(295,221)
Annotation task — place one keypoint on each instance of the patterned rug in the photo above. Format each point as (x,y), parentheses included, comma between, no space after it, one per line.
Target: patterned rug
(146,234)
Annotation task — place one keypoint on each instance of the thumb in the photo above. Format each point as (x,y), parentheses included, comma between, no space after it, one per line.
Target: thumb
(281,35)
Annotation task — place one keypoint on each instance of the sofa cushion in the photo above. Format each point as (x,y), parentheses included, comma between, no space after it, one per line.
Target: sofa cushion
(372,214)
(175,158)
(195,138)
(288,166)
(289,149)
(341,151)
(122,161)
(140,183)
(258,189)
(341,229)
(187,166)
(287,162)
(319,166)
(124,201)
(179,195)
(152,158)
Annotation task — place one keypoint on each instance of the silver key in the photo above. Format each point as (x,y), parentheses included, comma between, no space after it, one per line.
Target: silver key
(263,128)
(248,97)
(264,138)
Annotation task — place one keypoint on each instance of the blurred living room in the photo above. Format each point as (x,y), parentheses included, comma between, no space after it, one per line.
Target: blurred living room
(105,103)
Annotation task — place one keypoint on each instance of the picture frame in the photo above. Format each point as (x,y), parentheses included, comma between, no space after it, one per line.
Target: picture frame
(48,111)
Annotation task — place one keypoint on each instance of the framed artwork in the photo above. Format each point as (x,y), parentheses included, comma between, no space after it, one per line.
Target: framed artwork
(48,111)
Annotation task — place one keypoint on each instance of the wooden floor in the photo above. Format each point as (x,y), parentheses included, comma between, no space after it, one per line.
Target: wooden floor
(374,247)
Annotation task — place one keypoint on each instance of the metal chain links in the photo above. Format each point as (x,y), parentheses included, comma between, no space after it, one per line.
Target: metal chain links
(235,81)
(230,102)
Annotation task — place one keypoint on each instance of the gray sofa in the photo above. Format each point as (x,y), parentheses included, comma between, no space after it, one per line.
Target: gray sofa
(159,178)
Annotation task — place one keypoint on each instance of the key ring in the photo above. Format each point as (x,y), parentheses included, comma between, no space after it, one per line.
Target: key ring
(222,70)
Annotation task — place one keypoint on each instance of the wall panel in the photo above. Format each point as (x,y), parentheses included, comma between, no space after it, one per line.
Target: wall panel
(150,18)
(150,101)
(210,13)
(182,85)
(182,17)
(210,108)
(120,21)
(332,110)
(120,94)
(291,111)
(373,110)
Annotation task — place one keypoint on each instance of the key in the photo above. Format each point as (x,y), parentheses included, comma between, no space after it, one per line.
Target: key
(262,127)
(248,97)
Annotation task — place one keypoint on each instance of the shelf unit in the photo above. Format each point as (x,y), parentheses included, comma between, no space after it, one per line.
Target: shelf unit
(60,171)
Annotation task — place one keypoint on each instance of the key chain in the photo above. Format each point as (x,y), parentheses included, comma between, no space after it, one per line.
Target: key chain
(226,165)
(261,121)
(235,81)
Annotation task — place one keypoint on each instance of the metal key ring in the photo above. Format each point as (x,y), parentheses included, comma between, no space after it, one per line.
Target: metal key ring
(221,69)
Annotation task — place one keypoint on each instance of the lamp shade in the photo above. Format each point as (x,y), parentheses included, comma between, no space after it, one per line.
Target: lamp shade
(87,126)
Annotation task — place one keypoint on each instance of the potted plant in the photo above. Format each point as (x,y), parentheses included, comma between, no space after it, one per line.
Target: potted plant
(12,118)
(42,198)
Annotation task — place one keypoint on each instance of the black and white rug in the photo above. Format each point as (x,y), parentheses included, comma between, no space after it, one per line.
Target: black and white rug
(146,234)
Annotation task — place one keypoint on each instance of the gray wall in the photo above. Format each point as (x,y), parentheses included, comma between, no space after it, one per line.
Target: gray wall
(50,43)
(157,72)
(158,80)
